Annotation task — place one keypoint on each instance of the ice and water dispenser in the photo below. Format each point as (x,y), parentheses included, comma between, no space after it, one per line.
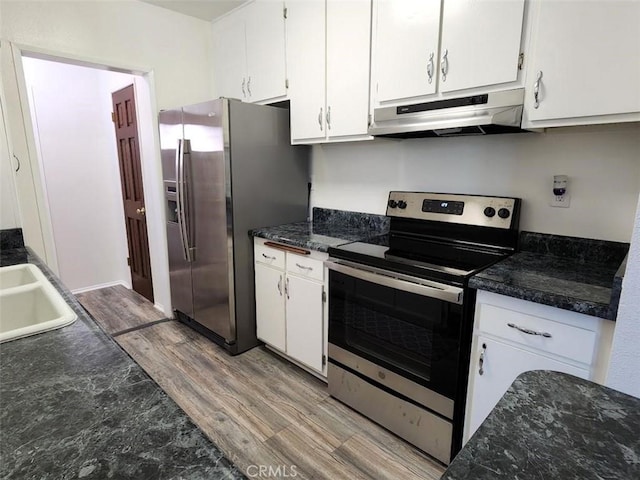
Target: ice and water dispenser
(171,201)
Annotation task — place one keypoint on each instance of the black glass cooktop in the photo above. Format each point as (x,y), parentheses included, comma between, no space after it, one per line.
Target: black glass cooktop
(427,260)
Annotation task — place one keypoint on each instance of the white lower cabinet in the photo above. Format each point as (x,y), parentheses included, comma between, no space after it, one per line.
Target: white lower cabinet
(501,365)
(513,336)
(270,309)
(290,304)
(304,321)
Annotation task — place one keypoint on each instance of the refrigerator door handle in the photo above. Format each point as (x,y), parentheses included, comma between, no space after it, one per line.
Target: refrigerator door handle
(180,197)
(189,219)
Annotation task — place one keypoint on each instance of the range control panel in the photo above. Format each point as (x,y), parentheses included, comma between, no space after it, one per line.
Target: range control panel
(484,211)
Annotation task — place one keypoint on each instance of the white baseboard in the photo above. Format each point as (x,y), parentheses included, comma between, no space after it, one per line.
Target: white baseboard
(102,285)
(160,308)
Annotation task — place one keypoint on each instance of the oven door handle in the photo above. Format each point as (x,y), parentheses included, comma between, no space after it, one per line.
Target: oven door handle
(399,281)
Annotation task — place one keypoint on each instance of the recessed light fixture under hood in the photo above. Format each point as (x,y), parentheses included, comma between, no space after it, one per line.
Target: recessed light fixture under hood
(489,113)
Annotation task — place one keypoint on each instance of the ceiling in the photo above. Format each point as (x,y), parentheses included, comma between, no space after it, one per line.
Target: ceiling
(203,9)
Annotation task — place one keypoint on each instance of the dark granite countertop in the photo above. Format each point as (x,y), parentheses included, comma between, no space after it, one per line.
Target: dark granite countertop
(581,275)
(551,425)
(328,228)
(75,405)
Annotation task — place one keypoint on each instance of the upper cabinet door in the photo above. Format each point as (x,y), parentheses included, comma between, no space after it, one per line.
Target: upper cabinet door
(230,57)
(585,61)
(266,70)
(306,69)
(348,51)
(406,48)
(480,43)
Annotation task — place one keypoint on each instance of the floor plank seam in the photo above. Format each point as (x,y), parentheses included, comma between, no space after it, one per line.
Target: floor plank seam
(140,327)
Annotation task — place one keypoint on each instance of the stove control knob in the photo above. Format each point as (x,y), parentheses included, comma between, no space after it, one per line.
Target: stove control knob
(392,203)
(402,204)
(489,212)
(504,213)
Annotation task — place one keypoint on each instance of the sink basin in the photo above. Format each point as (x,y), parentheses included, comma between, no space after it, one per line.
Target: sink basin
(29,304)
(17,276)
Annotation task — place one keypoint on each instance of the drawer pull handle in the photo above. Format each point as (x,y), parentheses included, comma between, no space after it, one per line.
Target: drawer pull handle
(268,257)
(529,331)
(303,267)
(481,360)
(280,285)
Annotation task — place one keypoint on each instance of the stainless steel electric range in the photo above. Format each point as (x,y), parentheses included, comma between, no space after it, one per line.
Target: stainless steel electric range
(401,316)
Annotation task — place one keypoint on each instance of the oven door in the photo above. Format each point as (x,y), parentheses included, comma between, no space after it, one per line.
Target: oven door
(409,326)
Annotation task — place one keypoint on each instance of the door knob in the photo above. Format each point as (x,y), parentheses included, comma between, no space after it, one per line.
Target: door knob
(140,211)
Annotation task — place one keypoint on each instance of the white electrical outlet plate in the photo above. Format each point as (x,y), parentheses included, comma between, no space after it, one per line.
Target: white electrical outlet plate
(562,201)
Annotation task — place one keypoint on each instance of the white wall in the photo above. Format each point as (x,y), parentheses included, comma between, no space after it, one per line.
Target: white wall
(124,33)
(624,363)
(127,35)
(71,110)
(9,214)
(602,162)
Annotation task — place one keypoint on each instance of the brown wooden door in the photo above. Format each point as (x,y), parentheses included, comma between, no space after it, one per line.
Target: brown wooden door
(126,126)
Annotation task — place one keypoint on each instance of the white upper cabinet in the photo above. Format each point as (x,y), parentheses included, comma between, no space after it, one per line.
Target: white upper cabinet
(266,67)
(425,48)
(328,50)
(230,57)
(249,53)
(348,47)
(306,51)
(584,63)
(406,48)
(480,43)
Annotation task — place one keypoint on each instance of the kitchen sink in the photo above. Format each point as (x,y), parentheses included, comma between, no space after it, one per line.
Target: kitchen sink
(29,303)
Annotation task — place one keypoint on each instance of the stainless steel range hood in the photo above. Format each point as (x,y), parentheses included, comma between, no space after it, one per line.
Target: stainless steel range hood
(490,113)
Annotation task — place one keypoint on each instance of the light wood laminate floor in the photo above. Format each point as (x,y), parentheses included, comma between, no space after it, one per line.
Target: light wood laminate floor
(258,408)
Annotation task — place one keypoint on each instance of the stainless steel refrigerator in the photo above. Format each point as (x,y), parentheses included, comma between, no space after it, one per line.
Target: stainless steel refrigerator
(228,167)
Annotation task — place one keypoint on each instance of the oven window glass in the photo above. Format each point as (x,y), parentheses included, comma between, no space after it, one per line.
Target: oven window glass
(415,336)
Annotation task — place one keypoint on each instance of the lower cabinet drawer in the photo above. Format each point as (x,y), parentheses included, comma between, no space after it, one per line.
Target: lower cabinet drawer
(541,334)
(269,256)
(305,266)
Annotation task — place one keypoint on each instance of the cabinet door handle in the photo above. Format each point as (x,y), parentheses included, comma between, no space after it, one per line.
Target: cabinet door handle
(280,285)
(320,119)
(444,65)
(536,90)
(430,67)
(286,287)
(303,267)
(329,118)
(244,93)
(528,331)
(249,86)
(268,257)
(481,359)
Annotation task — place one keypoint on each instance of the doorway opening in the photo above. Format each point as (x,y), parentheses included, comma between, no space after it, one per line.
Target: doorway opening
(71,111)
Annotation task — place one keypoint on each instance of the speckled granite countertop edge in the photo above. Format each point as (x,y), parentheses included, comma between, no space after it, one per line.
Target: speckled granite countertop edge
(102,414)
(552,425)
(303,235)
(587,273)
(564,302)
(327,228)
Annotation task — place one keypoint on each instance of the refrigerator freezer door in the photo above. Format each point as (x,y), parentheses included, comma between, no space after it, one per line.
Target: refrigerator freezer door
(171,133)
(209,187)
